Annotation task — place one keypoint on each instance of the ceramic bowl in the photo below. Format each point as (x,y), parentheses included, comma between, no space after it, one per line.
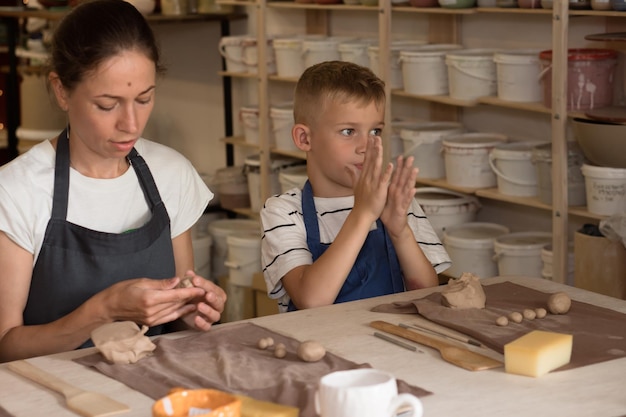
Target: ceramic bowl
(457,4)
(144,6)
(197,402)
(604,144)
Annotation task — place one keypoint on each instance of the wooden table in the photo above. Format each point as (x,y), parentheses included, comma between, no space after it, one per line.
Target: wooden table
(595,390)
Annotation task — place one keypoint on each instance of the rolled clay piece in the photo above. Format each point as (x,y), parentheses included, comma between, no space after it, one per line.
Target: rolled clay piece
(122,342)
(464,292)
(185,282)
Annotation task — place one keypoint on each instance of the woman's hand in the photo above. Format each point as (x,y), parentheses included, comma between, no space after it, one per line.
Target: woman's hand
(208,307)
(149,301)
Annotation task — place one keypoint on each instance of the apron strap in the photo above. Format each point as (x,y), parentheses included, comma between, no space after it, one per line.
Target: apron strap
(61,177)
(149,188)
(309,212)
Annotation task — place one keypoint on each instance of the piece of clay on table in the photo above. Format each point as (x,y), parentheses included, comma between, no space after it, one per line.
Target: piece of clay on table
(464,292)
(122,342)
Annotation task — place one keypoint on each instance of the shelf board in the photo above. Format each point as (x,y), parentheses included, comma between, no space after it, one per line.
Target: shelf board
(442,183)
(494,194)
(433,10)
(292,154)
(248,212)
(314,6)
(532,107)
(58,14)
(537,107)
(504,10)
(514,10)
(239,141)
(437,99)
(238,74)
(283,79)
(583,212)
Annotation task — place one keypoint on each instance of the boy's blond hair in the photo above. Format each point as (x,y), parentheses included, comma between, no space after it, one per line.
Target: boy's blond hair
(335,81)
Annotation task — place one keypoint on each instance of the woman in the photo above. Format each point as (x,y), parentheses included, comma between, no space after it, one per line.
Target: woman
(95,223)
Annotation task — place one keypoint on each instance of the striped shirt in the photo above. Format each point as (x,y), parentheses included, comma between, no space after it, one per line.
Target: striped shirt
(284,245)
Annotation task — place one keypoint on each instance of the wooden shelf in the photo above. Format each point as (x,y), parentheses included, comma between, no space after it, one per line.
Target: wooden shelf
(240,141)
(291,154)
(283,79)
(437,99)
(442,183)
(238,74)
(57,14)
(247,212)
(314,6)
(532,107)
(433,10)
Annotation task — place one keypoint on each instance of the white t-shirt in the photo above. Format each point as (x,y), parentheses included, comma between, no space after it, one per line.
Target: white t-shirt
(107,205)
(284,245)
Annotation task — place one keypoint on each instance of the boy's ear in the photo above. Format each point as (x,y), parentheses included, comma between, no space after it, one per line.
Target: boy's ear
(301,135)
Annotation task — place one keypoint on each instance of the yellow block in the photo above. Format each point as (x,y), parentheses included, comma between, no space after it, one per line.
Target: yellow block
(256,408)
(537,353)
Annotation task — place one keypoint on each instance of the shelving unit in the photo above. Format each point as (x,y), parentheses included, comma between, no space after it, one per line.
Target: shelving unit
(445,26)
(13,17)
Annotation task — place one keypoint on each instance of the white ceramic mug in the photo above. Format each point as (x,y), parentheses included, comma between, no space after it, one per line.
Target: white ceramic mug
(364,393)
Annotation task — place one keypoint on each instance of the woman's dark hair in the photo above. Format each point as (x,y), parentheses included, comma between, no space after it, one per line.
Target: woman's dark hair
(95,31)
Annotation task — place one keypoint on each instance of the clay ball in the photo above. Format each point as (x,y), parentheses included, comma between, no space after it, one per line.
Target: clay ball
(311,351)
(559,303)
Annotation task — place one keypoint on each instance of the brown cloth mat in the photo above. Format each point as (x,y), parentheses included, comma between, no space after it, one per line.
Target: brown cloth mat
(227,358)
(599,333)
(4,413)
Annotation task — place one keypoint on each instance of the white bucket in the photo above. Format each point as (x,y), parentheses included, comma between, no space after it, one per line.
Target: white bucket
(606,189)
(471,248)
(253,170)
(424,143)
(520,253)
(292,177)
(249,117)
(446,208)
(202,255)
(514,168)
(466,158)
(471,73)
(231,48)
(202,242)
(289,59)
(355,51)
(27,138)
(38,109)
(424,70)
(542,158)
(220,230)
(395,76)
(232,185)
(320,50)
(547,259)
(244,257)
(396,146)
(282,122)
(250,55)
(518,75)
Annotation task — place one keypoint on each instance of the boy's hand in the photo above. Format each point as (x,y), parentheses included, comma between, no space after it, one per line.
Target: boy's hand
(399,195)
(371,183)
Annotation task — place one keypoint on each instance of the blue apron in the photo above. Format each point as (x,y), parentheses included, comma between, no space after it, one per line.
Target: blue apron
(376,270)
(75,262)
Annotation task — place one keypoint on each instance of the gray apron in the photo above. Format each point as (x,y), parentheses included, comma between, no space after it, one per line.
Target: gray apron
(75,262)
